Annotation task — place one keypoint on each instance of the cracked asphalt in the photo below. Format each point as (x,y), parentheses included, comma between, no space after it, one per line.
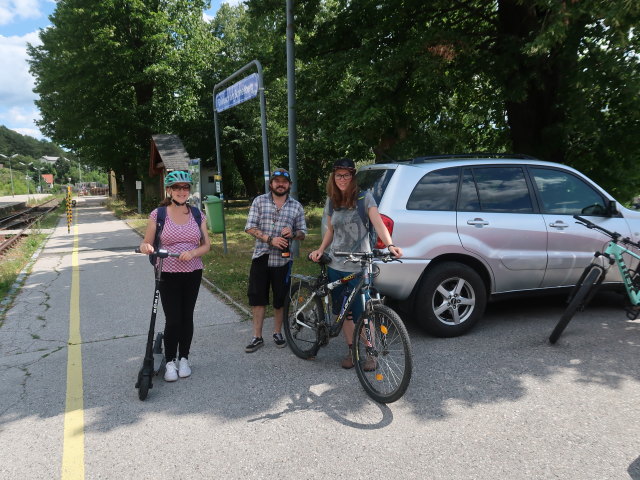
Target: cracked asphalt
(497,403)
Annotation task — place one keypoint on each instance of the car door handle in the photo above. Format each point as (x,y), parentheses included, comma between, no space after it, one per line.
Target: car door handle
(478,222)
(558,224)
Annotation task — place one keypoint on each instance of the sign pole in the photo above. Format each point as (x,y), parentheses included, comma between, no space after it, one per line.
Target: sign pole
(239,92)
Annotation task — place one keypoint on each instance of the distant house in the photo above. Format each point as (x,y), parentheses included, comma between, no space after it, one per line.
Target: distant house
(48,178)
(51,160)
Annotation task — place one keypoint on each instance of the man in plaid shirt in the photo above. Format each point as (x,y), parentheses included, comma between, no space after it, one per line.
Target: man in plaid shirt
(274,220)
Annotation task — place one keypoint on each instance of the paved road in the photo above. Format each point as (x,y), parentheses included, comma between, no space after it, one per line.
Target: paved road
(498,403)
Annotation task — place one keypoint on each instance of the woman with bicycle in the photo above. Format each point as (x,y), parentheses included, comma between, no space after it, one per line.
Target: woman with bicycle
(347,232)
(185,233)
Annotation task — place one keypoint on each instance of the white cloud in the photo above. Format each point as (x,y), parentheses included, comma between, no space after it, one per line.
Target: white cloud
(17,110)
(32,132)
(22,119)
(16,83)
(13,10)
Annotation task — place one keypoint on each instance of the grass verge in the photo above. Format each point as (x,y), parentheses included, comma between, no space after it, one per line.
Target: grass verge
(230,271)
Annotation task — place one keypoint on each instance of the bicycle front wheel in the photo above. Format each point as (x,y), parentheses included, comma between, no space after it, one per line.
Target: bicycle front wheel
(302,317)
(382,354)
(580,298)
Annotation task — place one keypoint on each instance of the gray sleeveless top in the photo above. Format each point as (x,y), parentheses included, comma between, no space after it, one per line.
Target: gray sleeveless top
(349,234)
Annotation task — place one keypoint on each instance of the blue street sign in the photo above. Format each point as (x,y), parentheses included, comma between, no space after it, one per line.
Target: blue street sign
(239,92)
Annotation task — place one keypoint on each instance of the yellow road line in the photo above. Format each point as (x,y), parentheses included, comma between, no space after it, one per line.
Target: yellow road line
(73,449)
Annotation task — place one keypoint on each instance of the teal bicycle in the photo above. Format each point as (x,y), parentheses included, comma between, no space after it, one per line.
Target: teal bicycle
(595,273)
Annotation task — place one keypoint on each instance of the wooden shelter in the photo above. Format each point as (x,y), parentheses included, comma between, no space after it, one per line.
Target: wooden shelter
(167,154)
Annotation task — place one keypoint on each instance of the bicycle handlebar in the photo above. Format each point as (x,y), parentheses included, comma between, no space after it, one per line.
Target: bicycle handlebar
(359,256)
(161,253)
(615,236)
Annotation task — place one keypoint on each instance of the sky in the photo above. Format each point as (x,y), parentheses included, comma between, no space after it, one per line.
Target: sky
(20,22)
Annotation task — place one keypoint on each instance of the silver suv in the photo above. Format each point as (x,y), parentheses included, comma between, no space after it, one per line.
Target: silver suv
(473,229)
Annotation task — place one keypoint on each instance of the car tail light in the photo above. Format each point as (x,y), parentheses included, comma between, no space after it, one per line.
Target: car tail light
(389,224)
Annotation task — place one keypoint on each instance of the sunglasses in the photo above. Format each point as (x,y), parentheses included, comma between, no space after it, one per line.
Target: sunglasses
(343,176)
(279,173)
(180,187)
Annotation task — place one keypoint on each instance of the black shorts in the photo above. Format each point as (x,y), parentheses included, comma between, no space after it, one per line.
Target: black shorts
(261,277)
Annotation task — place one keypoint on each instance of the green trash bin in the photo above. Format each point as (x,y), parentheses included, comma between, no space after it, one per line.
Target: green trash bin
(215,215)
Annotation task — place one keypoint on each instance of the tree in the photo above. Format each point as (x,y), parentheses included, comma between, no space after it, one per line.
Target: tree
(405,77)
(110,74)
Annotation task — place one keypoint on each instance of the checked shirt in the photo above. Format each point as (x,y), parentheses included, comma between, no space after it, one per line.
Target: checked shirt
(264,215)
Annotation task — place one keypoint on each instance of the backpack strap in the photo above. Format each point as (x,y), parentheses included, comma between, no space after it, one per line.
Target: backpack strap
(364,216)
(361,210)
(160,218)
(197,214)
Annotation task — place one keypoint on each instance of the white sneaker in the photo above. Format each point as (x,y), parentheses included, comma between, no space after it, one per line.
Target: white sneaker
(170,372)
(184,370)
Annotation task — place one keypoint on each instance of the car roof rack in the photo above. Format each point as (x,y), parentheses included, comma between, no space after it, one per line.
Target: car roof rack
(461,156)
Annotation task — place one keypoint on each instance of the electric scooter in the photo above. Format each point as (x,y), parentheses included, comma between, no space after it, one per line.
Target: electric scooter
(154,361)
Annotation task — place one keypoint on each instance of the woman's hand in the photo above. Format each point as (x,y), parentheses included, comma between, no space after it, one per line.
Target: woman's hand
(186,256)
(146,248)
(316,254)
(395,251)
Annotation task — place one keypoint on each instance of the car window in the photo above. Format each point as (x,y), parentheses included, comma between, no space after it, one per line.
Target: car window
(495,189)
(375,181)
(437,190)
(564,193)
(469,201)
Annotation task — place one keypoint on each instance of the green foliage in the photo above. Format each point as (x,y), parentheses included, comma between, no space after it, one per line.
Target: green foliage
(110,74)
(375,80)
(12,142)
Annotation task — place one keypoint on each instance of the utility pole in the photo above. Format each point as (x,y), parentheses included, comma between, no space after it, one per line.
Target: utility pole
(10,170)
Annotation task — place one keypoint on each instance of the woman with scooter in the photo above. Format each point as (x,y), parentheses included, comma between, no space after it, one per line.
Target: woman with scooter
(181,230)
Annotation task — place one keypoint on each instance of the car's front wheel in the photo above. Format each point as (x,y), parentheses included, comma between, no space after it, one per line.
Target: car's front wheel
(451,299)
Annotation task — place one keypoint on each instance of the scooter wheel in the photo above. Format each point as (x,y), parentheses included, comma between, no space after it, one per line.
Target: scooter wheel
(143,386)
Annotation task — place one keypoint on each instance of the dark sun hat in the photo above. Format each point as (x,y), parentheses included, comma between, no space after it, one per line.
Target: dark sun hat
(344,163)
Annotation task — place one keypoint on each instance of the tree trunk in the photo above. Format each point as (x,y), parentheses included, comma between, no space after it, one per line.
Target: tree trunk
(533,82)
(245,169)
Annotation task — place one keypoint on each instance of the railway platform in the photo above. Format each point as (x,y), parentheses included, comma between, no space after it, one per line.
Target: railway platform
(10,203)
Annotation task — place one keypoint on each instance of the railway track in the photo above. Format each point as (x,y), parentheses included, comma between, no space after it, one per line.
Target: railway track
(22,221)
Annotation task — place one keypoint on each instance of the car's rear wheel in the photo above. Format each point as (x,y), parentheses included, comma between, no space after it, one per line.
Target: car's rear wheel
(451,299)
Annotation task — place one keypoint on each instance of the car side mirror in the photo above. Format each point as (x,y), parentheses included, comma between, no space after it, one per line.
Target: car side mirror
(612,208)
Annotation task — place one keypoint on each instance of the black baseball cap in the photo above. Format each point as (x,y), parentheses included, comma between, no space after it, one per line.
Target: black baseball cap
(344,163)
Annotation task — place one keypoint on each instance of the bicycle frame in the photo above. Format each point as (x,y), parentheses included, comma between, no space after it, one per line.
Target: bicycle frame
(362,288)
(614,253)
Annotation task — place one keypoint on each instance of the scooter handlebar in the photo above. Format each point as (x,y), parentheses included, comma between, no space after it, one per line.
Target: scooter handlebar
(161,253)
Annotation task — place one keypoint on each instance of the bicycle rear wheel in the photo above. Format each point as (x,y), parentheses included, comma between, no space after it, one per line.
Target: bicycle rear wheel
(591,277)
(384,364)
(302,318)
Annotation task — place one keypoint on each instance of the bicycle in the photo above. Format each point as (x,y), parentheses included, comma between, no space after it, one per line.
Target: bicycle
(595,273)
(379,333)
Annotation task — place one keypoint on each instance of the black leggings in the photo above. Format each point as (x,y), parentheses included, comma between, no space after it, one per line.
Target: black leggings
(179,292)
